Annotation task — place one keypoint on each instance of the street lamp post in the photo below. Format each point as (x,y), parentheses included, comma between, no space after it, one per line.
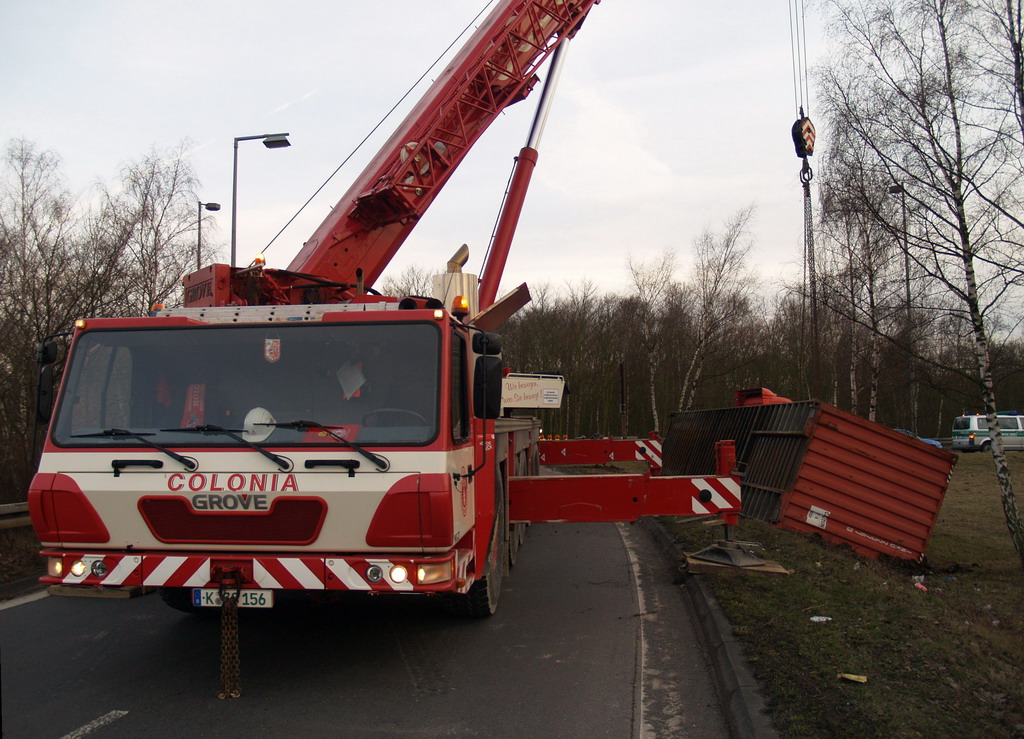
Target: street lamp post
(899,189)
(271,141)
(199,237)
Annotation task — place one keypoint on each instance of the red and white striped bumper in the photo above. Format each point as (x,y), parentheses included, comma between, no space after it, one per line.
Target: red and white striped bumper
(255,571)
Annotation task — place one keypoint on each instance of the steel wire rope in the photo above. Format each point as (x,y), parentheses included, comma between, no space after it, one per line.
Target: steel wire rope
(378,124)
(801,96)
(798,53)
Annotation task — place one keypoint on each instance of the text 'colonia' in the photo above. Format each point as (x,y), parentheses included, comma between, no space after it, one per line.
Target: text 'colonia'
(235,482)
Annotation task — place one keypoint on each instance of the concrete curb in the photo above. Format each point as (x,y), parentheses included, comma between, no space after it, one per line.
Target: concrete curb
(22,586)
(739,693)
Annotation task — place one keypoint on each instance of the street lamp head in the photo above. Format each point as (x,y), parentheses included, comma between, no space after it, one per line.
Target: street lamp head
(271,141)
(212,206)
(277,141)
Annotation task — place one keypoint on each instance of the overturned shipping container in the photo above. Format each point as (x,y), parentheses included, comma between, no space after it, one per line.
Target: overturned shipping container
(810,467)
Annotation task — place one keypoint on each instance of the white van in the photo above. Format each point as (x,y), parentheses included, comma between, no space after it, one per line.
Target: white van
(970,433)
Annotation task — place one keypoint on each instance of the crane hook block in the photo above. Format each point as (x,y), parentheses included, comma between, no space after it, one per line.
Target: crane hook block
(803,137)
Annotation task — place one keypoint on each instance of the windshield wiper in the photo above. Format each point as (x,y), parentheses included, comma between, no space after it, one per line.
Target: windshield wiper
(190,464)
(380,462)
(283,462)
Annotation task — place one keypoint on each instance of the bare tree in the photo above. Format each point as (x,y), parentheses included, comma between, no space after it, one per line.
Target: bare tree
(59,262)
(999,27)
(652,284)
(719,289)
(908,89)
(150,218)
(413,280)
(860,276)
(37,255)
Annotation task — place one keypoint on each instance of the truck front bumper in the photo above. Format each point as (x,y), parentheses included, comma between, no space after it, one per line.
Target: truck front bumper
(381,573)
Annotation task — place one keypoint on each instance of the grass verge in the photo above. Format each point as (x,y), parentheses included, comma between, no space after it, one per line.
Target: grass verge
(19,554)
(946,661)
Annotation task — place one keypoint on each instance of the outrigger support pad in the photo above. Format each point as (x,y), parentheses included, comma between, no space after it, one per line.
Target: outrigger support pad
(732,553)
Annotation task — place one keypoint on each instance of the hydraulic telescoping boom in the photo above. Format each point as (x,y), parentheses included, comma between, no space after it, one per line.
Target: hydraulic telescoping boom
(495,69)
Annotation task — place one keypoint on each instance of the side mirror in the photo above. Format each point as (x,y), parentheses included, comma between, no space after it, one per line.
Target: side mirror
(44,394)
(487,387)
(47,353)
(486,344)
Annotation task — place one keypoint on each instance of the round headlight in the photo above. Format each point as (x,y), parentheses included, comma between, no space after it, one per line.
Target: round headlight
(78,568)
(399,574)
(374,573)
(99,568)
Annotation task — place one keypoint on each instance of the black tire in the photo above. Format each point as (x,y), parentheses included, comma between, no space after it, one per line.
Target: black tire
(482,599)
(515,538)
(180,599)
(986,446)
(526,465)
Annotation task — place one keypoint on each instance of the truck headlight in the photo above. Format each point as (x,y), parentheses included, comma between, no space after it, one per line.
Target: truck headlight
(78,568)
(398,574)
(54,566)
(427,574)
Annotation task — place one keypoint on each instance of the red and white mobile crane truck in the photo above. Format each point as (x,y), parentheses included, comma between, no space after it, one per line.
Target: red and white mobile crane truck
(293,430)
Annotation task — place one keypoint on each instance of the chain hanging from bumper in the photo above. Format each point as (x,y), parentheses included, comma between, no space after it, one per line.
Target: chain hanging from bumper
(230,666)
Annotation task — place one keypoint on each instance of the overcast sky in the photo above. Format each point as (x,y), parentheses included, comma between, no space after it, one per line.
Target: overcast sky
(671,116)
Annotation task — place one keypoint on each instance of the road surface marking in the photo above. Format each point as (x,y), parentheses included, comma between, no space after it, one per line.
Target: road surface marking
(634,563)
(23,600)
(90,727)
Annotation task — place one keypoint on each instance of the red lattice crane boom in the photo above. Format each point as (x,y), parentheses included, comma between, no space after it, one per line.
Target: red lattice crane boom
(496,68)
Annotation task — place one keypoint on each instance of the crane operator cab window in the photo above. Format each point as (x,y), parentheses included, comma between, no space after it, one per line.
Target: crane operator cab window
(273,384)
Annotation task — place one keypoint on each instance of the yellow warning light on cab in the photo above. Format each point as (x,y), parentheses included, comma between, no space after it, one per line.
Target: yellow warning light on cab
(460,306)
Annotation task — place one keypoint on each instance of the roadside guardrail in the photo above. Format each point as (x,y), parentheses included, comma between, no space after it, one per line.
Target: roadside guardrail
(14,515)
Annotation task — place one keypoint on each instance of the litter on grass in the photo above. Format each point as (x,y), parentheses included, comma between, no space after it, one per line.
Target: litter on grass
(853,678)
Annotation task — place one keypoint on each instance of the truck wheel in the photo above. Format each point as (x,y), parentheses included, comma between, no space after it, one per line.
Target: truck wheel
(986,446)
(482,599)
(516,534)
(180,599)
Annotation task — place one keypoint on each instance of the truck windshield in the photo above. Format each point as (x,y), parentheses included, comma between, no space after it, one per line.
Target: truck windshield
(369,383)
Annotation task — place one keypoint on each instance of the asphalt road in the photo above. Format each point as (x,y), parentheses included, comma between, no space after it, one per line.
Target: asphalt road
(592,639)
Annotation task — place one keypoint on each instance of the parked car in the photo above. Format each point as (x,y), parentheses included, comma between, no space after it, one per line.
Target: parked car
(970,433)
(929,442)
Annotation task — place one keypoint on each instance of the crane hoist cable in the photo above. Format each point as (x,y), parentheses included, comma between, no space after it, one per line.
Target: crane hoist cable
(803,135)
(380,123)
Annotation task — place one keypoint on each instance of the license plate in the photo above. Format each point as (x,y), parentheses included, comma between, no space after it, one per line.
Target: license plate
(246,598)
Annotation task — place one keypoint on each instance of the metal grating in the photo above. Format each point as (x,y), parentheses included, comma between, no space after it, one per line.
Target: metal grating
(770,444)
